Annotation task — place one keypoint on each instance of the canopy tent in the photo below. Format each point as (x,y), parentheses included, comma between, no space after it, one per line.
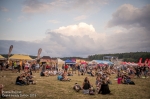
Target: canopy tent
(101,62)
(129,63)
(20,57)
(2,58)
(68,61)
(60,63)
(81,61)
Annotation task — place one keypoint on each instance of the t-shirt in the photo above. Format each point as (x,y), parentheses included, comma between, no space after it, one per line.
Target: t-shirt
(26,65)
(86,86)
(66,66)
(15,64)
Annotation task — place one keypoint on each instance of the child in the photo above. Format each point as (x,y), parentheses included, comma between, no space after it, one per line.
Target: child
(119,79)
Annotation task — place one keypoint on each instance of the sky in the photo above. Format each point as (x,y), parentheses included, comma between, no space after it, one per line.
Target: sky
(69,28)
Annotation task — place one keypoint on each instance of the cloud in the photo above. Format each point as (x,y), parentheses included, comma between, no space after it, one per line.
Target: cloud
(22,18)
(78,18)
(128,16)
(53,21)
(3,9)
(82,40)
(8,19)
(35,6)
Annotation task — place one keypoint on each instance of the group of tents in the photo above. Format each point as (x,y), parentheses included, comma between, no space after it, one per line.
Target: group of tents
(56,60)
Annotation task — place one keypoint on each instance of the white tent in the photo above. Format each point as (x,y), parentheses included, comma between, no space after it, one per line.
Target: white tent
(60,62)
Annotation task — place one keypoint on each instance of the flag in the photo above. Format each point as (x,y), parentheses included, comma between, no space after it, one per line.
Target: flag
(140,61)
(39,52)
(10,49)
(146,61)
(149,62)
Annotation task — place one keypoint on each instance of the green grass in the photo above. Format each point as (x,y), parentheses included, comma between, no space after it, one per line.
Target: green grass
(51,88)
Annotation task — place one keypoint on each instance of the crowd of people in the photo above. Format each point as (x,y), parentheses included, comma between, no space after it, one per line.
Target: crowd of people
(102,74)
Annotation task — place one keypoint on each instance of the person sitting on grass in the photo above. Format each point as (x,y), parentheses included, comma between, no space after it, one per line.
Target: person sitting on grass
(77,87)
(69,74)
(65,78)
(20,80)
(86,86)
(29,79)
(44,73)
(92,73)
(60,72)
(127,80)
(98,83)
(104,88)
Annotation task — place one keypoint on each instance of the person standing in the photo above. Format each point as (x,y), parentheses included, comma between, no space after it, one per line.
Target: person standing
(78,67)
(18,66)
(66,67)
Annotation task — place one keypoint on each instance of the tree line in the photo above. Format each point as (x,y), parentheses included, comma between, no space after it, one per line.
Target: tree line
(128,57)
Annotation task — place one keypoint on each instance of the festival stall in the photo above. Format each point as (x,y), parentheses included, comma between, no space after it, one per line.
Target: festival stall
(2,58)
(21,57)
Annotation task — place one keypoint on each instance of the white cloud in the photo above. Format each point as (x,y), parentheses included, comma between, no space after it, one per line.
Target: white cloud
(3,9)
(128,16)
(8,19)
(22,18)
(53,21)
(82,17)
(82,40)
(35,6)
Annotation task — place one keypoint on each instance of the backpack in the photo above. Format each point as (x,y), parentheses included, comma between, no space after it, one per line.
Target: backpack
(92,92)
(132,83)
(41,74)
(77,88)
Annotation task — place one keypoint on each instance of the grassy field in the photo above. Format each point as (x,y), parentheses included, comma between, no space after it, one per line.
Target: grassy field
(51,88)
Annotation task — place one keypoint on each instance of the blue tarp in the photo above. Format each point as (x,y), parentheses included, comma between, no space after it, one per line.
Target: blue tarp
(68,61)
(103,62)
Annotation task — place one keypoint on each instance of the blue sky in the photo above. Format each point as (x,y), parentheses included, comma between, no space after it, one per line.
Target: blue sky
(74,27)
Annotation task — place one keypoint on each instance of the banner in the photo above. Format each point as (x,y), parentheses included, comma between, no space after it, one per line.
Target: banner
(39,52)
(10,49)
